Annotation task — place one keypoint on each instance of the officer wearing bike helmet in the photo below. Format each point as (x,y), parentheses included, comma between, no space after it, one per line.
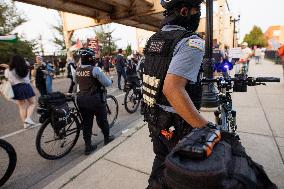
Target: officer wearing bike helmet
(171,91)
(92,98)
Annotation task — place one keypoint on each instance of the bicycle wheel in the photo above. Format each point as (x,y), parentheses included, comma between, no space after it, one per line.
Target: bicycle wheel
(131,101)
(53,144)
(112,110)
(8,160)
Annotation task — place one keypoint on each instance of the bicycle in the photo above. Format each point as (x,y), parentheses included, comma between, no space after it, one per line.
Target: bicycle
(8,161)
(132,96)
(54,143)
(225,115)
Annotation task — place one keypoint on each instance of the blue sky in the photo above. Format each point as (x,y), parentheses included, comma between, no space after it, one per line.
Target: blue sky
(253,12)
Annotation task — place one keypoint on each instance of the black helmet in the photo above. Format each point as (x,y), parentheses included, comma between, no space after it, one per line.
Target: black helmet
(169,4)
(87,56)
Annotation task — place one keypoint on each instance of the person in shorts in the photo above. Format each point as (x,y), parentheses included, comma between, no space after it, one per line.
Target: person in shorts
(17,72)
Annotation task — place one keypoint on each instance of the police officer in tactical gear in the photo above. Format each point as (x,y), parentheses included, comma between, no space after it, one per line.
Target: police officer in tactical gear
(171,91)
(92,98)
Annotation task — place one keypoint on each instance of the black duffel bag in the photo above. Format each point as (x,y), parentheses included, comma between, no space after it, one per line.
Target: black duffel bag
(228,167)
(55,98)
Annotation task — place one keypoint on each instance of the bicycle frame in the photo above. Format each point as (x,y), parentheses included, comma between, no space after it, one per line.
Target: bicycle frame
(225,116)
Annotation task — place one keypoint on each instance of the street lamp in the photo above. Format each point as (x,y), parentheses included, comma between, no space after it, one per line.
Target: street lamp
(209,94)
(234,30)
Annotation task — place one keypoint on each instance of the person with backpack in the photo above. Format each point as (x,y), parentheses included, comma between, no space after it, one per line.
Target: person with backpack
(40,75)
(71,69)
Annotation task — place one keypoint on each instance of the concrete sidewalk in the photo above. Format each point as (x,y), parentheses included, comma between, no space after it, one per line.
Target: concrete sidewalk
(126,162)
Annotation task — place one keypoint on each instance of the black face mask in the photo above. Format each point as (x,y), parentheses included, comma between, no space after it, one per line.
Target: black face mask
(190,22)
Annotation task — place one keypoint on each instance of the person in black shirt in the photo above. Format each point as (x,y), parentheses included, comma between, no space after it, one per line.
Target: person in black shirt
(40,76)
(120,67)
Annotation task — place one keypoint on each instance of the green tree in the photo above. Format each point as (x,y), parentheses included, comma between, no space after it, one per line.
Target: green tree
(10,18)
(128,50)
(255,37)
(106,41)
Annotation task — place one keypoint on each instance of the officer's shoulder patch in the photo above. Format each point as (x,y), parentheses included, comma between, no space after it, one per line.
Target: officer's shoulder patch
(197,43)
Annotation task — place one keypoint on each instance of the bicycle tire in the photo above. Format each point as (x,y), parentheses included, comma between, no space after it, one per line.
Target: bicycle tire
(47,125)
(9,149)
(112,110)
(127,101)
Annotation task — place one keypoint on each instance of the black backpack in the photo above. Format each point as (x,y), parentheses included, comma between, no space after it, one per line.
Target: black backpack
(228,167)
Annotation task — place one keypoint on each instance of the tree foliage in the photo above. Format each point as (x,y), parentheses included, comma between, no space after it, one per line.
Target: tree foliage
(106,41)
(10,18)
(128,50)
(255,37)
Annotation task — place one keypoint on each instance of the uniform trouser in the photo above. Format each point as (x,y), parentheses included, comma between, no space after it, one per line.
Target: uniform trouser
(88,118)
(162,147)
(72,84)
(119,74)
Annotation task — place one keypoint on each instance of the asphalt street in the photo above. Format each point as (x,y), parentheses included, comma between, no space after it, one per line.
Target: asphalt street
(33,171)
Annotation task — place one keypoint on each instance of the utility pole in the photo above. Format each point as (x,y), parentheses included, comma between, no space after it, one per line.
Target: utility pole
(209,94)
(234,30)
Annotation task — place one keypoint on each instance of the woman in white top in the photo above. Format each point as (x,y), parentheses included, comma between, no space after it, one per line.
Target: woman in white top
(18,74)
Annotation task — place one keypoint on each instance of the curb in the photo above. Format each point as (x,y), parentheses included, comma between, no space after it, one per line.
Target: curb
(70,175)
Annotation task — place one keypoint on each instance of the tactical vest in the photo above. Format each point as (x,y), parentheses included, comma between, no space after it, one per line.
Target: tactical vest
(158,55)
(87,83)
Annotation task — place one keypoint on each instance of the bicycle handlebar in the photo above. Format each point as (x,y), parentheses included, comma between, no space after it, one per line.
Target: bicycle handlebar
(250,80)
(267,79)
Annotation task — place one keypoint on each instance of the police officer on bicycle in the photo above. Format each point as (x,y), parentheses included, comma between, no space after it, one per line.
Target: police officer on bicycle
(171,91)
(92,98)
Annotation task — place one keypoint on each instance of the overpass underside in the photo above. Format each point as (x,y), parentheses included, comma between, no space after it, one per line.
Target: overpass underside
(145,14)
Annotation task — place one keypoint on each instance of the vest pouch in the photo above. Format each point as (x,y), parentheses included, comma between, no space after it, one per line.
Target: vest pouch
(103,97)
(60,116)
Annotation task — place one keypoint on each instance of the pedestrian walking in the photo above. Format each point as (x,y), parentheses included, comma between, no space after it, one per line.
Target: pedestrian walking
(120,63)
(171,94)
(49,77)
(243,63)
(257,54)
(71,71)
(40,75)
(17,72)
(107,65)
(92,98)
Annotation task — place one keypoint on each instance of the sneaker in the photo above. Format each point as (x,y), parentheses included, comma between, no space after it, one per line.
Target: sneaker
(27,126)
(30,121)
